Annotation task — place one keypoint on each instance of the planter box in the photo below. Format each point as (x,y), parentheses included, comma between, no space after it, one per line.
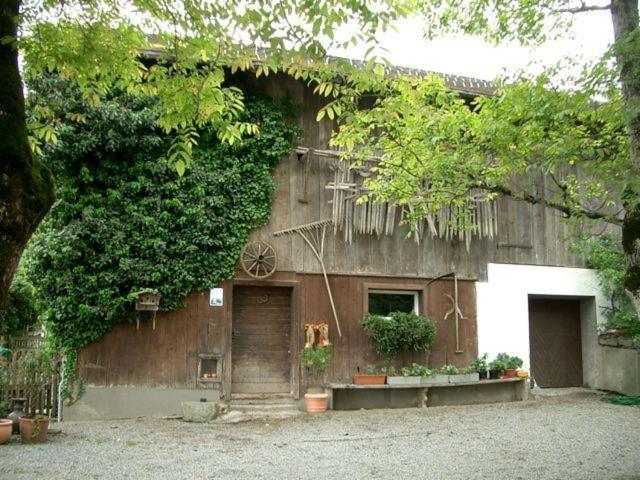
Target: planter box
(437,378)
(464,377)
(360,379)
(402,380)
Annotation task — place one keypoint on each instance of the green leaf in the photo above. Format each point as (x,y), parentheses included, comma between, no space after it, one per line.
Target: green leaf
(180,167)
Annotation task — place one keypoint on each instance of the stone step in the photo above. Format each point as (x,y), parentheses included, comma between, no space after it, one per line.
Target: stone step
(265,397)
(280,400)
(266,408)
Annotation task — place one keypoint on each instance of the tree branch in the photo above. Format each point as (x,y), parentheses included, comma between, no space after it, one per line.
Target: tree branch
(583,8)
(568,211)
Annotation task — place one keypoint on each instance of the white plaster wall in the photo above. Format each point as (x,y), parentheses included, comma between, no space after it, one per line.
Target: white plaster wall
(503,308)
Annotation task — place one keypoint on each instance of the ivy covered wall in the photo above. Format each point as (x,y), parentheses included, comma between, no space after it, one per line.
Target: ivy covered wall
(124,220)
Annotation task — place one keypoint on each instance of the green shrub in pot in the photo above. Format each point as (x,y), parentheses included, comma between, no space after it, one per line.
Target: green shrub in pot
(514,363)
(481,365)
(315,360)
(399,332)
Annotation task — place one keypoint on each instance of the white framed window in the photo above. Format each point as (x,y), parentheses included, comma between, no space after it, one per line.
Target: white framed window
(383,302)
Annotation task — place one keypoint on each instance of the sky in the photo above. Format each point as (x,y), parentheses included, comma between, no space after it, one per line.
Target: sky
(592,34)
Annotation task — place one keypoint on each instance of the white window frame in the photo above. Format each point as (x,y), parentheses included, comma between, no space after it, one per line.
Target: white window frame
(415,293)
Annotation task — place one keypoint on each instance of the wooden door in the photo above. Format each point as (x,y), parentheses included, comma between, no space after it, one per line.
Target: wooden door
(555,342)
(261,342)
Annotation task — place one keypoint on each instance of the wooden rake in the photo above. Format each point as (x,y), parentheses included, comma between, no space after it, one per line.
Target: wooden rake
(313,233)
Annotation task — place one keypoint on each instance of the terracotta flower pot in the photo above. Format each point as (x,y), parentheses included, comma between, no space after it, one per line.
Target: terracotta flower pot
(6,425)
(28,429)
(510,372)
(316,402)
(360,379)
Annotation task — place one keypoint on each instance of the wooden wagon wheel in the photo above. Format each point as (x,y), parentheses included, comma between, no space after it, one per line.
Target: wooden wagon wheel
(258,260)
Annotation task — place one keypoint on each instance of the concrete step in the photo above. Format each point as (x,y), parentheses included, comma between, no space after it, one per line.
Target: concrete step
(270,407)
(265,407)
(266,397)
(261,400)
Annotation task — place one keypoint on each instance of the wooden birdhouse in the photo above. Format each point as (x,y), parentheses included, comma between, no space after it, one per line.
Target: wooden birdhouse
(148,300)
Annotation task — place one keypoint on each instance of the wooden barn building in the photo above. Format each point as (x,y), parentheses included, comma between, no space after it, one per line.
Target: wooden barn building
(519,290)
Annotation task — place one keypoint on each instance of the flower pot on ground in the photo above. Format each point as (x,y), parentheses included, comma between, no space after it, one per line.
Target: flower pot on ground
(316,402)
(315,359)
(6,429)
(34,430)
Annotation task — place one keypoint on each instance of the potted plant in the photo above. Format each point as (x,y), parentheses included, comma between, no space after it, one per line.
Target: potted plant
(6,427)
(371,376)
(498,365)
(315,359)
(451,374)
(6,424)
(35,368)
(438,376)
(512,365)
(408,375)
(464,375)
(481,366)
(398,332)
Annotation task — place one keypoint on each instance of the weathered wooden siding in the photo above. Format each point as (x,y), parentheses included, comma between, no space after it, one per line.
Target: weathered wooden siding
(352,350)
(527,234)
(168,355)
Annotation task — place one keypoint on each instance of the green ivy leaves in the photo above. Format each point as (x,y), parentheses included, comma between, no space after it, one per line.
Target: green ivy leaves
(124,220)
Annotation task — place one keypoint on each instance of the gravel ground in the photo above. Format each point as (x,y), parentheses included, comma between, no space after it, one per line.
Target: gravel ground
(572,437)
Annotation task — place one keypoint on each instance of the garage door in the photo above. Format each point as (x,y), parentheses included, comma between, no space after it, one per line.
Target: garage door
(555,343)
(261,329)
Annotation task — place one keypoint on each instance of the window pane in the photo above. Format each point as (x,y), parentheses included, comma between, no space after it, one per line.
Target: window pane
(385,303)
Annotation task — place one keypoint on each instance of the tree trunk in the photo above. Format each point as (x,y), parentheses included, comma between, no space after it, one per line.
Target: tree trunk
(624,14)
(26,185)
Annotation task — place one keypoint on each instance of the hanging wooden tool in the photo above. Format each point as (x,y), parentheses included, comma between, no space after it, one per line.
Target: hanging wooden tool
(314,233)
(455,309)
